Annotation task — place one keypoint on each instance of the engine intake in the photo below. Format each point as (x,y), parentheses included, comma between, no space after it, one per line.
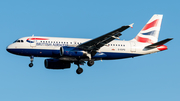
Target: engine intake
(56,64)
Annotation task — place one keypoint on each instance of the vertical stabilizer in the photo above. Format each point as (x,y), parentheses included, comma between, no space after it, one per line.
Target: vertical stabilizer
(150,32)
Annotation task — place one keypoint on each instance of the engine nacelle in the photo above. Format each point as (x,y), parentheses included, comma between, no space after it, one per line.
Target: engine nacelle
(71,51)
(56,64)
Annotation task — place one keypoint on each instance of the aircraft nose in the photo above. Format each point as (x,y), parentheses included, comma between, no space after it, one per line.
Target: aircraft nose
(9,48)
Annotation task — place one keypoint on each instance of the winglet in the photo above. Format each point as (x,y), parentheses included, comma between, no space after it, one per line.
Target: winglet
(131,25)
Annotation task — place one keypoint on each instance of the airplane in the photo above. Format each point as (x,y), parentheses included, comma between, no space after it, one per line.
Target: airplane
(62,52)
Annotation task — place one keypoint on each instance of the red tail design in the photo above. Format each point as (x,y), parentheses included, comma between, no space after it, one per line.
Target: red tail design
(150,25)
(143,40)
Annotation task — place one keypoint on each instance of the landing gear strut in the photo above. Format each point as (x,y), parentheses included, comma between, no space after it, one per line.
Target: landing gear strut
(32,58)
(79,69)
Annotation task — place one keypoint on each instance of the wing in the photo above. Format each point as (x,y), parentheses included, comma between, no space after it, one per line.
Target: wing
(97,43)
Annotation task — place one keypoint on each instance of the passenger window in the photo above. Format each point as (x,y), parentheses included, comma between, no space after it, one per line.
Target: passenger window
(22,41)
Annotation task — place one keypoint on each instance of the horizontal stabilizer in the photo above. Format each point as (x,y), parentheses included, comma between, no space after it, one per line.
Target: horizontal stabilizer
(159,43)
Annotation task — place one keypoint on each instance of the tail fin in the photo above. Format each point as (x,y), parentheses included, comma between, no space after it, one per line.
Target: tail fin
(150,32)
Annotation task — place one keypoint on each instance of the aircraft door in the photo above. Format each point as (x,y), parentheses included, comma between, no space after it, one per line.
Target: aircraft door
(133,46)
(33,43)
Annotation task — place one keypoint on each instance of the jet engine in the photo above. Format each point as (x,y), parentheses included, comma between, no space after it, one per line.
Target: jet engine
(72,51)
(56,64)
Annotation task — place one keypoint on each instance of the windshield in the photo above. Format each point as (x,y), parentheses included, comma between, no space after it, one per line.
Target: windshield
(18,41)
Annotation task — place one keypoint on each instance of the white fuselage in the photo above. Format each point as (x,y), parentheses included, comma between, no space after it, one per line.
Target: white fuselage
(50,46)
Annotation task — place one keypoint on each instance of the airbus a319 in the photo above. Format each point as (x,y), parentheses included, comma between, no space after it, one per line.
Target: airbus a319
(62,52)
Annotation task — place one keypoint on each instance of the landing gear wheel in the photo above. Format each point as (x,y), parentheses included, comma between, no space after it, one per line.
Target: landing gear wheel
(31,64)
(32,58)
(79,70)
(90,63)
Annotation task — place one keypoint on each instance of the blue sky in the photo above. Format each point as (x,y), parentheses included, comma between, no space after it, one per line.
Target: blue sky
(153,77)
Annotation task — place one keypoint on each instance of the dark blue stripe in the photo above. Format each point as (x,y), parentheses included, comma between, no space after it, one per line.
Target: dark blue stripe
(119,55)
(152,33)
(55,53)
(34,52)
(30,41)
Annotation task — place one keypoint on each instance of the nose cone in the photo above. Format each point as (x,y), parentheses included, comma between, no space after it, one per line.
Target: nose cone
(9,48)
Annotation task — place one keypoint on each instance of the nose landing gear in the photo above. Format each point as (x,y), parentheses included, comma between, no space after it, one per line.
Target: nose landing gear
(32,58)
(31,64)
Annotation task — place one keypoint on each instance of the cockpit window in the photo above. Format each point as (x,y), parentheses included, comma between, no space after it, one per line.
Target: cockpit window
(18,41)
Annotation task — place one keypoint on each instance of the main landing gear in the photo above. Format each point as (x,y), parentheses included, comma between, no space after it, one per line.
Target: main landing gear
(90,63)
(32,58)
(79,69)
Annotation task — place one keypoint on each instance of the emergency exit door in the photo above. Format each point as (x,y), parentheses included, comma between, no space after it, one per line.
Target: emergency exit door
(133,46)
